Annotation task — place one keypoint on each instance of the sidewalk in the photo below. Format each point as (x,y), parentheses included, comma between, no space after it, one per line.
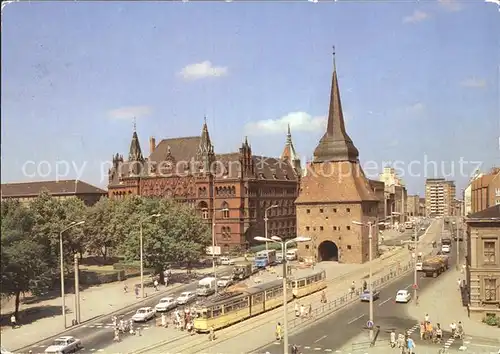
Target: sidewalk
(445,310)
(95,301)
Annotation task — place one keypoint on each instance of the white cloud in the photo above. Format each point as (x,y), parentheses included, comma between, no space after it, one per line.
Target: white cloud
(450,5)
(202,70)
(130,112)
(416,108)
(299,121)
(473,82)
(416,16)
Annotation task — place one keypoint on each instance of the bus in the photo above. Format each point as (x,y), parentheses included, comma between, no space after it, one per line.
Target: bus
(265,258)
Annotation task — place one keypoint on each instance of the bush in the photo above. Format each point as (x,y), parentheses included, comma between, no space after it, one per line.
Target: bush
(492,320)
(95,277)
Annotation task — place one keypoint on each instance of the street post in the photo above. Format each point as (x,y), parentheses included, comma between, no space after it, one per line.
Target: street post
(77,291)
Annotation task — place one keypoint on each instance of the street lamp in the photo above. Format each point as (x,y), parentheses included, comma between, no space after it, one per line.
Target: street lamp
(71,225)
(265,227)
(284,245)
(370,248)
(142,249)
(213,247)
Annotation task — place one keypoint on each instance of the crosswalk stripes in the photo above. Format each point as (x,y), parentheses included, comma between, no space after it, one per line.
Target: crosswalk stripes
(110,325)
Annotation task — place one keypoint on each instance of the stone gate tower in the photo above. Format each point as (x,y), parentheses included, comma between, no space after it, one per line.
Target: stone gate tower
(334,193)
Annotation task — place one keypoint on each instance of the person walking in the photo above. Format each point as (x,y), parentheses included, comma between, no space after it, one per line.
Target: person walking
(392,342)
(156,285)
(211,334)
(163,320)
(278,332)
(323,297)
(125,288)
(13,321)
(297,309)
(116,338)
(411,346)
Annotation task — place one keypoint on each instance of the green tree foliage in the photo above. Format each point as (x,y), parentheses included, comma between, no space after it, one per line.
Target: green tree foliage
(100,228)
(26,264)
(177,235)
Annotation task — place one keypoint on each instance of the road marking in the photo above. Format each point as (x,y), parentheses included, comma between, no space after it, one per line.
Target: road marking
(99,324)
(328,350)
(41,346)
(317,348)
(385,301)
(277,343)
(307,347)
(355,319)
(409,286)
(317,340)
(100,350)
(92,350)
(484,345)
(128,313)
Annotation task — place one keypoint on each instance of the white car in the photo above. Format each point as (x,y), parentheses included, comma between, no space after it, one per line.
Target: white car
(224,281)
(226,261)
(165,304)
(185,297)
(63,345)
(403,296)
(445,249)
(144,314)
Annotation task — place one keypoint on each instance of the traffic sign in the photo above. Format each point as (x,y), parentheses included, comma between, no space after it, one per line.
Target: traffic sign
(369,324)
(415,286)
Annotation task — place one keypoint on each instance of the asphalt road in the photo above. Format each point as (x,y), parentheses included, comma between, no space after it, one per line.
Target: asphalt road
(336,331)
(404,236)
(95,334)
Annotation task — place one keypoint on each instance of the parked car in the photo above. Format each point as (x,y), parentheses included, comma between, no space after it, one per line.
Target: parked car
(63,345)
(403,296)
(365,295)
(224,281)
(165,304)
(143,314)
(186,297)
(226,261)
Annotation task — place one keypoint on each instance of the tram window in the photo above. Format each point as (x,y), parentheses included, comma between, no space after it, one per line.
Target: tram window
(216,311)
(228,308)
(302,283)
(257,299)
(309,281)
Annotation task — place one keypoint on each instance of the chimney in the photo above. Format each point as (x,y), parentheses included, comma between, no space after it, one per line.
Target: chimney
(152,144)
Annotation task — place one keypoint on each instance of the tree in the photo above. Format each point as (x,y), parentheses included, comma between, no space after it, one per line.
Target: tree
(74,211)
(24,263)
(177,235)
(100,227)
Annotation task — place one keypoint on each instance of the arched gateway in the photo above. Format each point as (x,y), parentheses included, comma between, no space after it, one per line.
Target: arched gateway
(328,251)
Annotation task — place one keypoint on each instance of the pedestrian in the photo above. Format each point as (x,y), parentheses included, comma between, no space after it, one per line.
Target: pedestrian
(131,325)
(136,290)
(422,331)
(163,320)
(411,346)
(297,310)
(125,288)
(13,321)
(278,332)
(427,317)
(302,310)
(459,283)
(392,343)
(117,336)
(323,297)
(156,285)
(211,335)
(310,311)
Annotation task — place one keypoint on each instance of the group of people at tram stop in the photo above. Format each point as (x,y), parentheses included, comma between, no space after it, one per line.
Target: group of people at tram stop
(427,331)
(404,343)
(182,319)
(352,289)
(124,326)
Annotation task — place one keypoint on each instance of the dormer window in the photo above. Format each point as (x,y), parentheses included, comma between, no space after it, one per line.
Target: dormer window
(274,176)
(261,175)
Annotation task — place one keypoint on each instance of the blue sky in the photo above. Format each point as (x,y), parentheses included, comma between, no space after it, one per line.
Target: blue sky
(419,80)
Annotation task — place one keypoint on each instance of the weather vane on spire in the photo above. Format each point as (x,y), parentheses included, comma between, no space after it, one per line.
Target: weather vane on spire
(134,122)
(334,64)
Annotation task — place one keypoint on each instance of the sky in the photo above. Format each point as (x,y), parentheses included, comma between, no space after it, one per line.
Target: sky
(419,82)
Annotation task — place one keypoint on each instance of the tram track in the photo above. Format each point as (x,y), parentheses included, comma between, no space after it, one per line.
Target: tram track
(186,343)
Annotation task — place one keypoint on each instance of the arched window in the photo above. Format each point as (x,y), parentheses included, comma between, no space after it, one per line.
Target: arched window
(225,210)
(228,233)
(233,190)
(203,207)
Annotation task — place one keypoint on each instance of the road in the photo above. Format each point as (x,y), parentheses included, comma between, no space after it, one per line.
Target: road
(407,235)
(99,333)
(351,321)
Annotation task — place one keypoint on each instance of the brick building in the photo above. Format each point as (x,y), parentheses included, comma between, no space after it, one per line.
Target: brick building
(483,262)
(231,191)
(27,191)
(485,191)
(333,194)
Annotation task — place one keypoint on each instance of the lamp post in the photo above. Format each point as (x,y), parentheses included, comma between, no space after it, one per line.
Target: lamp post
(370,275)
(265,227)
(284,245)
(415,272)
(142,249)
(63,304)
(214,263)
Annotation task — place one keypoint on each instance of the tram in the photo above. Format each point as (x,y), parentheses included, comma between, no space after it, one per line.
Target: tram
(230,308)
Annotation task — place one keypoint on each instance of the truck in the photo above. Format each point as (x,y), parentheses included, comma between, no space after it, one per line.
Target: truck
(206,286)
(434,265)
(242,271)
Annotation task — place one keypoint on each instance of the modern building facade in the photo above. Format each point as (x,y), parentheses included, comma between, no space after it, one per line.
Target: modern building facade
(439,197)
(483,262)
(395,196)
(413,205)
(485,191)
(27,191)
(233,191)
(467,194)
(334,194)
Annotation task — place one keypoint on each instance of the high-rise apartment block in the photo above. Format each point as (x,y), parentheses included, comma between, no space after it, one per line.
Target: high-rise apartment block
(485,191)
(439,197)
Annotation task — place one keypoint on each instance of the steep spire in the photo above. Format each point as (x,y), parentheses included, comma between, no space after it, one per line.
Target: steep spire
(289,150)
(135,152)
(205,143)
(335,145)
(205,154)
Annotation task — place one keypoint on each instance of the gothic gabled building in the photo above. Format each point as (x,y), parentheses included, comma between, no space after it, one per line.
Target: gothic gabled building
(334,193)
(233,189)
